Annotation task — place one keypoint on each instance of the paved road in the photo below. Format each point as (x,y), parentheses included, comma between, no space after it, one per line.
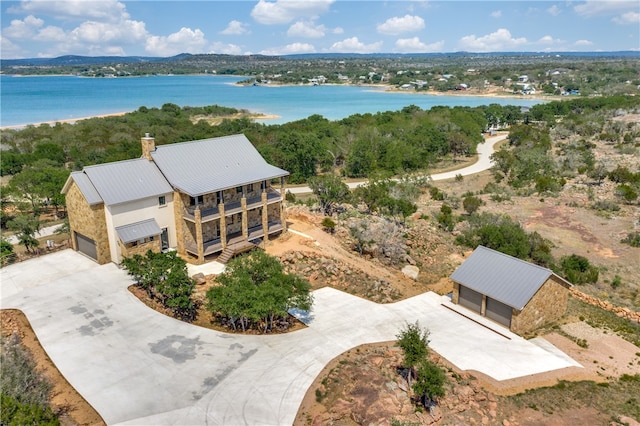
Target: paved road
(138,367)
(44,232)
(484,163)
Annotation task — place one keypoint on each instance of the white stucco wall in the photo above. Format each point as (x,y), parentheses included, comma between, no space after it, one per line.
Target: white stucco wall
(136,211)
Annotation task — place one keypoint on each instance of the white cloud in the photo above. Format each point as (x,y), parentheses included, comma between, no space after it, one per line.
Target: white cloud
(337,30)
(26,28)
(9,49)
(225,49)
(290,49)
(627,18)
(307,29)
(500,40)
(184,41)
(398,25)
(496,14)
(50,34)
(554,10)
(609,7)
(285,11)
(549,40)
(414,45)
(236,28)
(353,45)
(99,32)
(103,10)
(583,43)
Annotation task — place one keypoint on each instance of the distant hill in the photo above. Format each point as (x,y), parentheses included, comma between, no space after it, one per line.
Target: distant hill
(75,60)
(72,60)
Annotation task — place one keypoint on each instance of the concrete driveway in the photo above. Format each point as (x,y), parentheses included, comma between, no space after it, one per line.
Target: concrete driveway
(138,367)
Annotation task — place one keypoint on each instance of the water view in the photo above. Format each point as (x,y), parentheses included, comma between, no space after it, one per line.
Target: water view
(28,100)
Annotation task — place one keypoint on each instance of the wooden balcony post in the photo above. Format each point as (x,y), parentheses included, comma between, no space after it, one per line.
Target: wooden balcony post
(283,216)
(265,219)
(245,219)
(223,226)
(199,237)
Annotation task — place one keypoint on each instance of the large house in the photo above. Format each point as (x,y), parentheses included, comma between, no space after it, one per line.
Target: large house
(517,294)
(201,198)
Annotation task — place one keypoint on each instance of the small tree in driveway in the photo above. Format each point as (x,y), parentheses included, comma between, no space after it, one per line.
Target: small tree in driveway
(429,383)
(414,343)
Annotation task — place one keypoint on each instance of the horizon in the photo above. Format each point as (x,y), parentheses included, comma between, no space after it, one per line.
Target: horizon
(155,28)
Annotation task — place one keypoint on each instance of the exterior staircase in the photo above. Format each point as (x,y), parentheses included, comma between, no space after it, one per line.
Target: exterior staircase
(233,249)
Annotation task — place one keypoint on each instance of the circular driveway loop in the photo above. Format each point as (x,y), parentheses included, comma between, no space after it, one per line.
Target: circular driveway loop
(138,367)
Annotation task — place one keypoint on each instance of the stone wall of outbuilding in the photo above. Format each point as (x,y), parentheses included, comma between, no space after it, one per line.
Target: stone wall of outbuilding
(547,305)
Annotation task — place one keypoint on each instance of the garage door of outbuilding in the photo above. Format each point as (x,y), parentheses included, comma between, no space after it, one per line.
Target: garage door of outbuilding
(498,312)
(87,246)
(470,299)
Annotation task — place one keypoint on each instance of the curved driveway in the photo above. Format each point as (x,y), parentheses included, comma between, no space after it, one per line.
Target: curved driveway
(484,151)
(138,367)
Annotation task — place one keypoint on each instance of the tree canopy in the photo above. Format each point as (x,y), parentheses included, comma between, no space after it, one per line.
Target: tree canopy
(256,292)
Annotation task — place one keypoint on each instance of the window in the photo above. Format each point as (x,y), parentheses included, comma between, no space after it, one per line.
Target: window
(162,201)
(238,190)
(250,187)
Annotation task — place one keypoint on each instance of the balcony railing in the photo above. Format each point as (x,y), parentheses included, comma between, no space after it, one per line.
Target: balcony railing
(232,207)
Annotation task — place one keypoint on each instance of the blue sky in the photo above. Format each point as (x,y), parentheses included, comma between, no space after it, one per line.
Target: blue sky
(50,28)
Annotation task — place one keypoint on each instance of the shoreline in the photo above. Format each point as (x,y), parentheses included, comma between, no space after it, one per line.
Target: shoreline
(381,88)
(253,116)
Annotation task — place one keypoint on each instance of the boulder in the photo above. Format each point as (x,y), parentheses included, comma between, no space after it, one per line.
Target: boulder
(411,271)
(199,278)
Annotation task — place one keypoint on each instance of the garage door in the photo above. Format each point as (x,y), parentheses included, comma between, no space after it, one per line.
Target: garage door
(87,246)
(470,299)
(498,312)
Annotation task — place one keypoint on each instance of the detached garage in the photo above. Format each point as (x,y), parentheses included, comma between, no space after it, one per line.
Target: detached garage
(517,294)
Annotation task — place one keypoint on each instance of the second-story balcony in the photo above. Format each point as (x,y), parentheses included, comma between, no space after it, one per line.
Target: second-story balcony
(213,213)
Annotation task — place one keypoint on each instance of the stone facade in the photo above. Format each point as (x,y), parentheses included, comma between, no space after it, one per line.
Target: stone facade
(89,221)
(129,250)
(547,305)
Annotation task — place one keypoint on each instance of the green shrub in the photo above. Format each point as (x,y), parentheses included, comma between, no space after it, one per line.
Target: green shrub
(24,391)
(328,224)
(436,194)
(632,238)
(578,270)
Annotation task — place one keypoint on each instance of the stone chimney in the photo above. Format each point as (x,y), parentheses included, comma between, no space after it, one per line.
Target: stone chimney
(148,146)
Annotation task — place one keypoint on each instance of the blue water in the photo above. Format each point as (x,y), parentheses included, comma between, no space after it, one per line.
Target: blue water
(29,100)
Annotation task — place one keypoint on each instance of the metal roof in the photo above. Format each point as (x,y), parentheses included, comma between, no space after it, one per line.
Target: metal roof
(129,180)
(86,187)
(501,277)
(139,230)
(209,165)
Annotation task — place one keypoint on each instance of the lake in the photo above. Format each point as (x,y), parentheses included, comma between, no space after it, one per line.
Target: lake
(28,100)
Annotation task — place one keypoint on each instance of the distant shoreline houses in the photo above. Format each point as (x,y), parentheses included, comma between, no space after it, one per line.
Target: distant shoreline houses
(212,197)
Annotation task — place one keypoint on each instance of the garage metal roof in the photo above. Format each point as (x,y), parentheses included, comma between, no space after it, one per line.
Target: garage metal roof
(139,230)
(209,165)
(86,187)
(129,180)
(502,277)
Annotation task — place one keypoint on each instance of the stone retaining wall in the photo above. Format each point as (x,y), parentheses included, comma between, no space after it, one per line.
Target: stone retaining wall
(606,305)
